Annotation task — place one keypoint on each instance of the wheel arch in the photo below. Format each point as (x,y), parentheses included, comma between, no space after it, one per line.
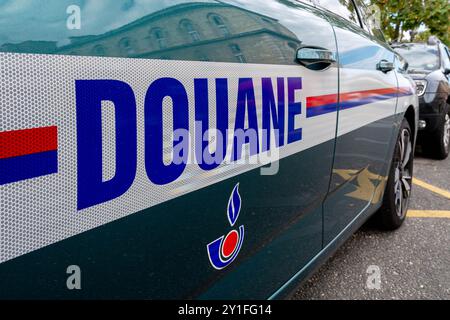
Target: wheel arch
(410,116)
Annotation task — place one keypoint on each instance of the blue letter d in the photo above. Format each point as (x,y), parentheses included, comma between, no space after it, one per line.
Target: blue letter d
(92,190)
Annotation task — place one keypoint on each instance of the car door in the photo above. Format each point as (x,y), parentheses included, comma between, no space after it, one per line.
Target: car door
(366,117)
(104,90)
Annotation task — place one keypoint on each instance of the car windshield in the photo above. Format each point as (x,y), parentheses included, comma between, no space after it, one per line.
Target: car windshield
(420,57)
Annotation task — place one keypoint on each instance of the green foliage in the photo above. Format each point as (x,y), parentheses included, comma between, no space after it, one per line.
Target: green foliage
(398,16)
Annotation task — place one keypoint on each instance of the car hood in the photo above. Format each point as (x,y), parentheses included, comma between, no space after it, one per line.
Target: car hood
(433,76)
(418,74)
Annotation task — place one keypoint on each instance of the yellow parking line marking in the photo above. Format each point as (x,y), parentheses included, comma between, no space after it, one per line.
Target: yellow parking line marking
(439,191)
(428,214)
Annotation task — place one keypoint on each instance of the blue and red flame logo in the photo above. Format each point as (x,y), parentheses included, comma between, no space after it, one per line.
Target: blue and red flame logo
(223,251)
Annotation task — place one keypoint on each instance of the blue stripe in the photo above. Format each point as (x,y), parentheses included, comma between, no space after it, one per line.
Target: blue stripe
(29,166)
(356,103)
(317,111)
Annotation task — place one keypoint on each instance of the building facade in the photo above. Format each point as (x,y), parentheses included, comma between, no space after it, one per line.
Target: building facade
(194,31)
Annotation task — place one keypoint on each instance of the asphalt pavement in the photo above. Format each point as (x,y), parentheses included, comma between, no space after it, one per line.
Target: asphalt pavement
(410,263)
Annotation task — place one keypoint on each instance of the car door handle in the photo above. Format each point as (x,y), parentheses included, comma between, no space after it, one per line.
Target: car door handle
(385,66)
(315,58)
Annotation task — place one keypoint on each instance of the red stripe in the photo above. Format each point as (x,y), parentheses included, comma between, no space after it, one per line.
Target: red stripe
(28,141)
(365,94)
(318,101)
(312,102)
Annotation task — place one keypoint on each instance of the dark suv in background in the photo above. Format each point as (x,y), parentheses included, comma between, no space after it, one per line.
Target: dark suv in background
(429,66)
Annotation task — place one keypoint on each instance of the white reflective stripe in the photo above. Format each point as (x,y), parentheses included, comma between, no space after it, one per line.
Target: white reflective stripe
(352,80)
(39,90)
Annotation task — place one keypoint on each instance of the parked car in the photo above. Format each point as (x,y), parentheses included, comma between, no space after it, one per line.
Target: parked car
(429,66)
(194,149)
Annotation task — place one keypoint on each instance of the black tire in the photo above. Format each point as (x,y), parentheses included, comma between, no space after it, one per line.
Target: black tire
(438,144)
(393,211)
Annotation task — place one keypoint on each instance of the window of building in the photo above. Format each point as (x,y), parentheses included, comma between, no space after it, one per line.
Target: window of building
(98,51)
(236,50)
(344,8)
(126,47)
(159,36)
(188,27)
(201,56)
(219,23)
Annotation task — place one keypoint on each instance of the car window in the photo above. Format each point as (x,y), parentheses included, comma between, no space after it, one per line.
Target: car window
(420,57)
(344,8)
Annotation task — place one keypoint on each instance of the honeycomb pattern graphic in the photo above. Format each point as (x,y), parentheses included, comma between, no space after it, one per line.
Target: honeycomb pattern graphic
(39,91)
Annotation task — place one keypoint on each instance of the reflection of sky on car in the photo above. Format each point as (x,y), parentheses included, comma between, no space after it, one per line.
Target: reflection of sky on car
(337,7)
(22,20)
(359,54)
(296,20)
(420,57)
(360,57)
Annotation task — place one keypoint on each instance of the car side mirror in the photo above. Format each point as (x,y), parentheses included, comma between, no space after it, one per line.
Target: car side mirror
(385,66)
(447,71)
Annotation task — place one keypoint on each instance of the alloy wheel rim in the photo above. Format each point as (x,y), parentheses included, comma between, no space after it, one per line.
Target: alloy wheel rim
(447,132)
(403,173)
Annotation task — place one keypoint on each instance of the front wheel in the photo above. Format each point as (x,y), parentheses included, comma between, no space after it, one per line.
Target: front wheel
(445,138)
(392,214)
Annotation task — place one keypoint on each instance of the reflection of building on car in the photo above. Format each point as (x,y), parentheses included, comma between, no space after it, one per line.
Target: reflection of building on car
(429,66)
(194,31)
